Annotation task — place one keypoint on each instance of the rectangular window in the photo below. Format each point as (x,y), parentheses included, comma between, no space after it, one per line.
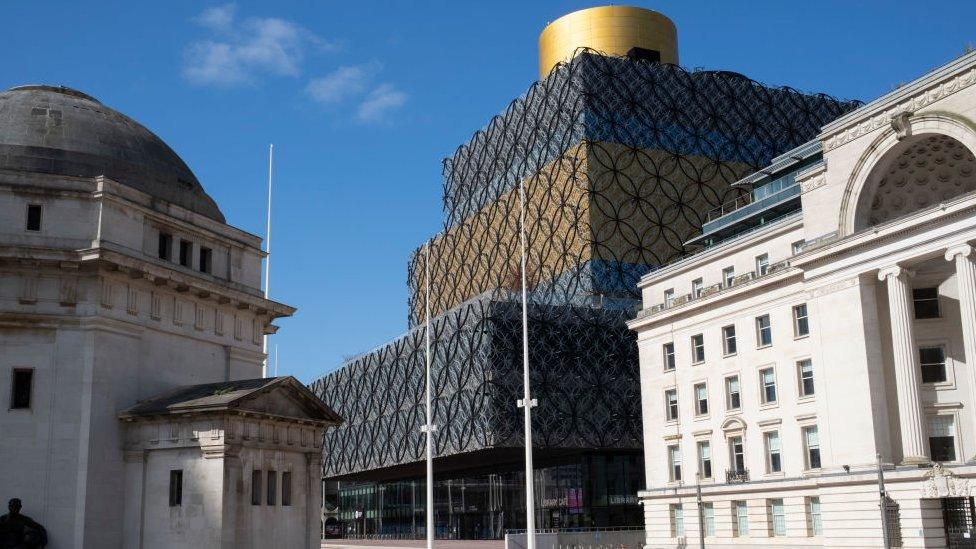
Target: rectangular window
(942,438)
(206,260)
(777,517)
(811,441)
(165,249)
(733,400)
(33,217)
(697,287)
(740,522)
(272,487)
(728,276)
(175,487)
(767,379)
(286,488)
(701,399)
(674,462)
(186,249)
(728,340)
(704,459)
(697,348)
(762,264)
(774,462)
(804,373)
(926,302)
(668,357)
(256,487)
(677,520)
(671,404)
(814,522)
(21,388)
(708,510)
(797,246)
(737,455)
(801,322)
(933,364)
(764,331)
(669,297)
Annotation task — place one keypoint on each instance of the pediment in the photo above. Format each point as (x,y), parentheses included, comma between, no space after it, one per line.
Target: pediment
(287,400)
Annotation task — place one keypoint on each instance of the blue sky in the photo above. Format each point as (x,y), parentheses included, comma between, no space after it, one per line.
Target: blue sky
(363,100)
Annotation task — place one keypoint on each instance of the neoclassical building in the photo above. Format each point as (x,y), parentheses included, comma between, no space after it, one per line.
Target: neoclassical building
(131,326)
(827,326)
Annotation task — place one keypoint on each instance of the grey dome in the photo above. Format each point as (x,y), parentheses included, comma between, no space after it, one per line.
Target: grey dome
(58,130)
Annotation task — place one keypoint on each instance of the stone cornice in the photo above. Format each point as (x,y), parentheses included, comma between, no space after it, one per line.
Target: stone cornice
(936,85)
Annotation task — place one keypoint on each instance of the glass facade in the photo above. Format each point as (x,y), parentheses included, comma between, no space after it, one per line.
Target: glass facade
(597,490)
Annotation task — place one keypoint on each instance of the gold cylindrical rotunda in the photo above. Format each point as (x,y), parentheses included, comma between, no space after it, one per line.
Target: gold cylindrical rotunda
(613,30)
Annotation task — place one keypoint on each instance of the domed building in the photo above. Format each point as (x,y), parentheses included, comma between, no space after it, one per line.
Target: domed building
(131,330)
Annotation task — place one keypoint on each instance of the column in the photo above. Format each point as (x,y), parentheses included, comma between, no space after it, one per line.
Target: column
(962,255)
(914,448)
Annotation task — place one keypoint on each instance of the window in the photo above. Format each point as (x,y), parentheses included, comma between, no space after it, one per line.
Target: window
(774,462)
(175,487)
(814,522)
(701,399)
(206,260)
(668,357)
(797,246)
(256,487)
(933,364)
(926,302)
(737,456)
(677,520)
(801,322)
(728,276)
(740,522)
(21,388)
(777,517)
(186,248)
(704,459)
(674,462)
(732,398)
(272,486)
(697,348)
(286,488)
(669,297)
(708,510)
(762,264)
(697,286)
(764,331)
(728,340)
(165,249)
(942,438)
(671,404)
(811,440)
(33,217)
(767,379)
(804,373)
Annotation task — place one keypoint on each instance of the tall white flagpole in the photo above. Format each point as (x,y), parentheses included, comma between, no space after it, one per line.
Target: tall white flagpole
(429,428)
(267,251)
(527,402)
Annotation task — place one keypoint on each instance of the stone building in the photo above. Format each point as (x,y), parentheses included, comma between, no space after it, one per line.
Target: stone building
(119,280)
(826,331)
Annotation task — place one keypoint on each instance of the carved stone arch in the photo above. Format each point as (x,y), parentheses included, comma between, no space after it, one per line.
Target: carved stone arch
(905,130)
(734,426)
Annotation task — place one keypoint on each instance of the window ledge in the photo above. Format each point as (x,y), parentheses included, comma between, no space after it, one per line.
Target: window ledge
(812,472)
(699,363)
(703,417)
(766,346)
(729,355)
(780,474)
(806,398)
(799,337)
(769,405)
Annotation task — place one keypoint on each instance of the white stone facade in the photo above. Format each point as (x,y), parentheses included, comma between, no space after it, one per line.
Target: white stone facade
(886,230)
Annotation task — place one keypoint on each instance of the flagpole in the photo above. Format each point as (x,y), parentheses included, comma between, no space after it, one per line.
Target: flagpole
(267,258)
(527,402)
(429,428)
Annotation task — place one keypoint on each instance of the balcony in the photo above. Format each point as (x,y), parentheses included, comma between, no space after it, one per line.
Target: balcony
(736,476)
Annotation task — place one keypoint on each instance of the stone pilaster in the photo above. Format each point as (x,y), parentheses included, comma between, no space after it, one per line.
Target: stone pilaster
(905,353)
(962,255)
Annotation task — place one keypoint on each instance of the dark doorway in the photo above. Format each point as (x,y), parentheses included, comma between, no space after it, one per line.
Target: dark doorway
(958,519)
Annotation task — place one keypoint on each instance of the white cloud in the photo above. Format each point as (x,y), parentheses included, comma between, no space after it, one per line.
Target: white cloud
(379,102)
(241,51)
(342,83)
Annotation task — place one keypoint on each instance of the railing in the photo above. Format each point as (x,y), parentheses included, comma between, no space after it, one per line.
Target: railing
(733,476)
(761,193)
